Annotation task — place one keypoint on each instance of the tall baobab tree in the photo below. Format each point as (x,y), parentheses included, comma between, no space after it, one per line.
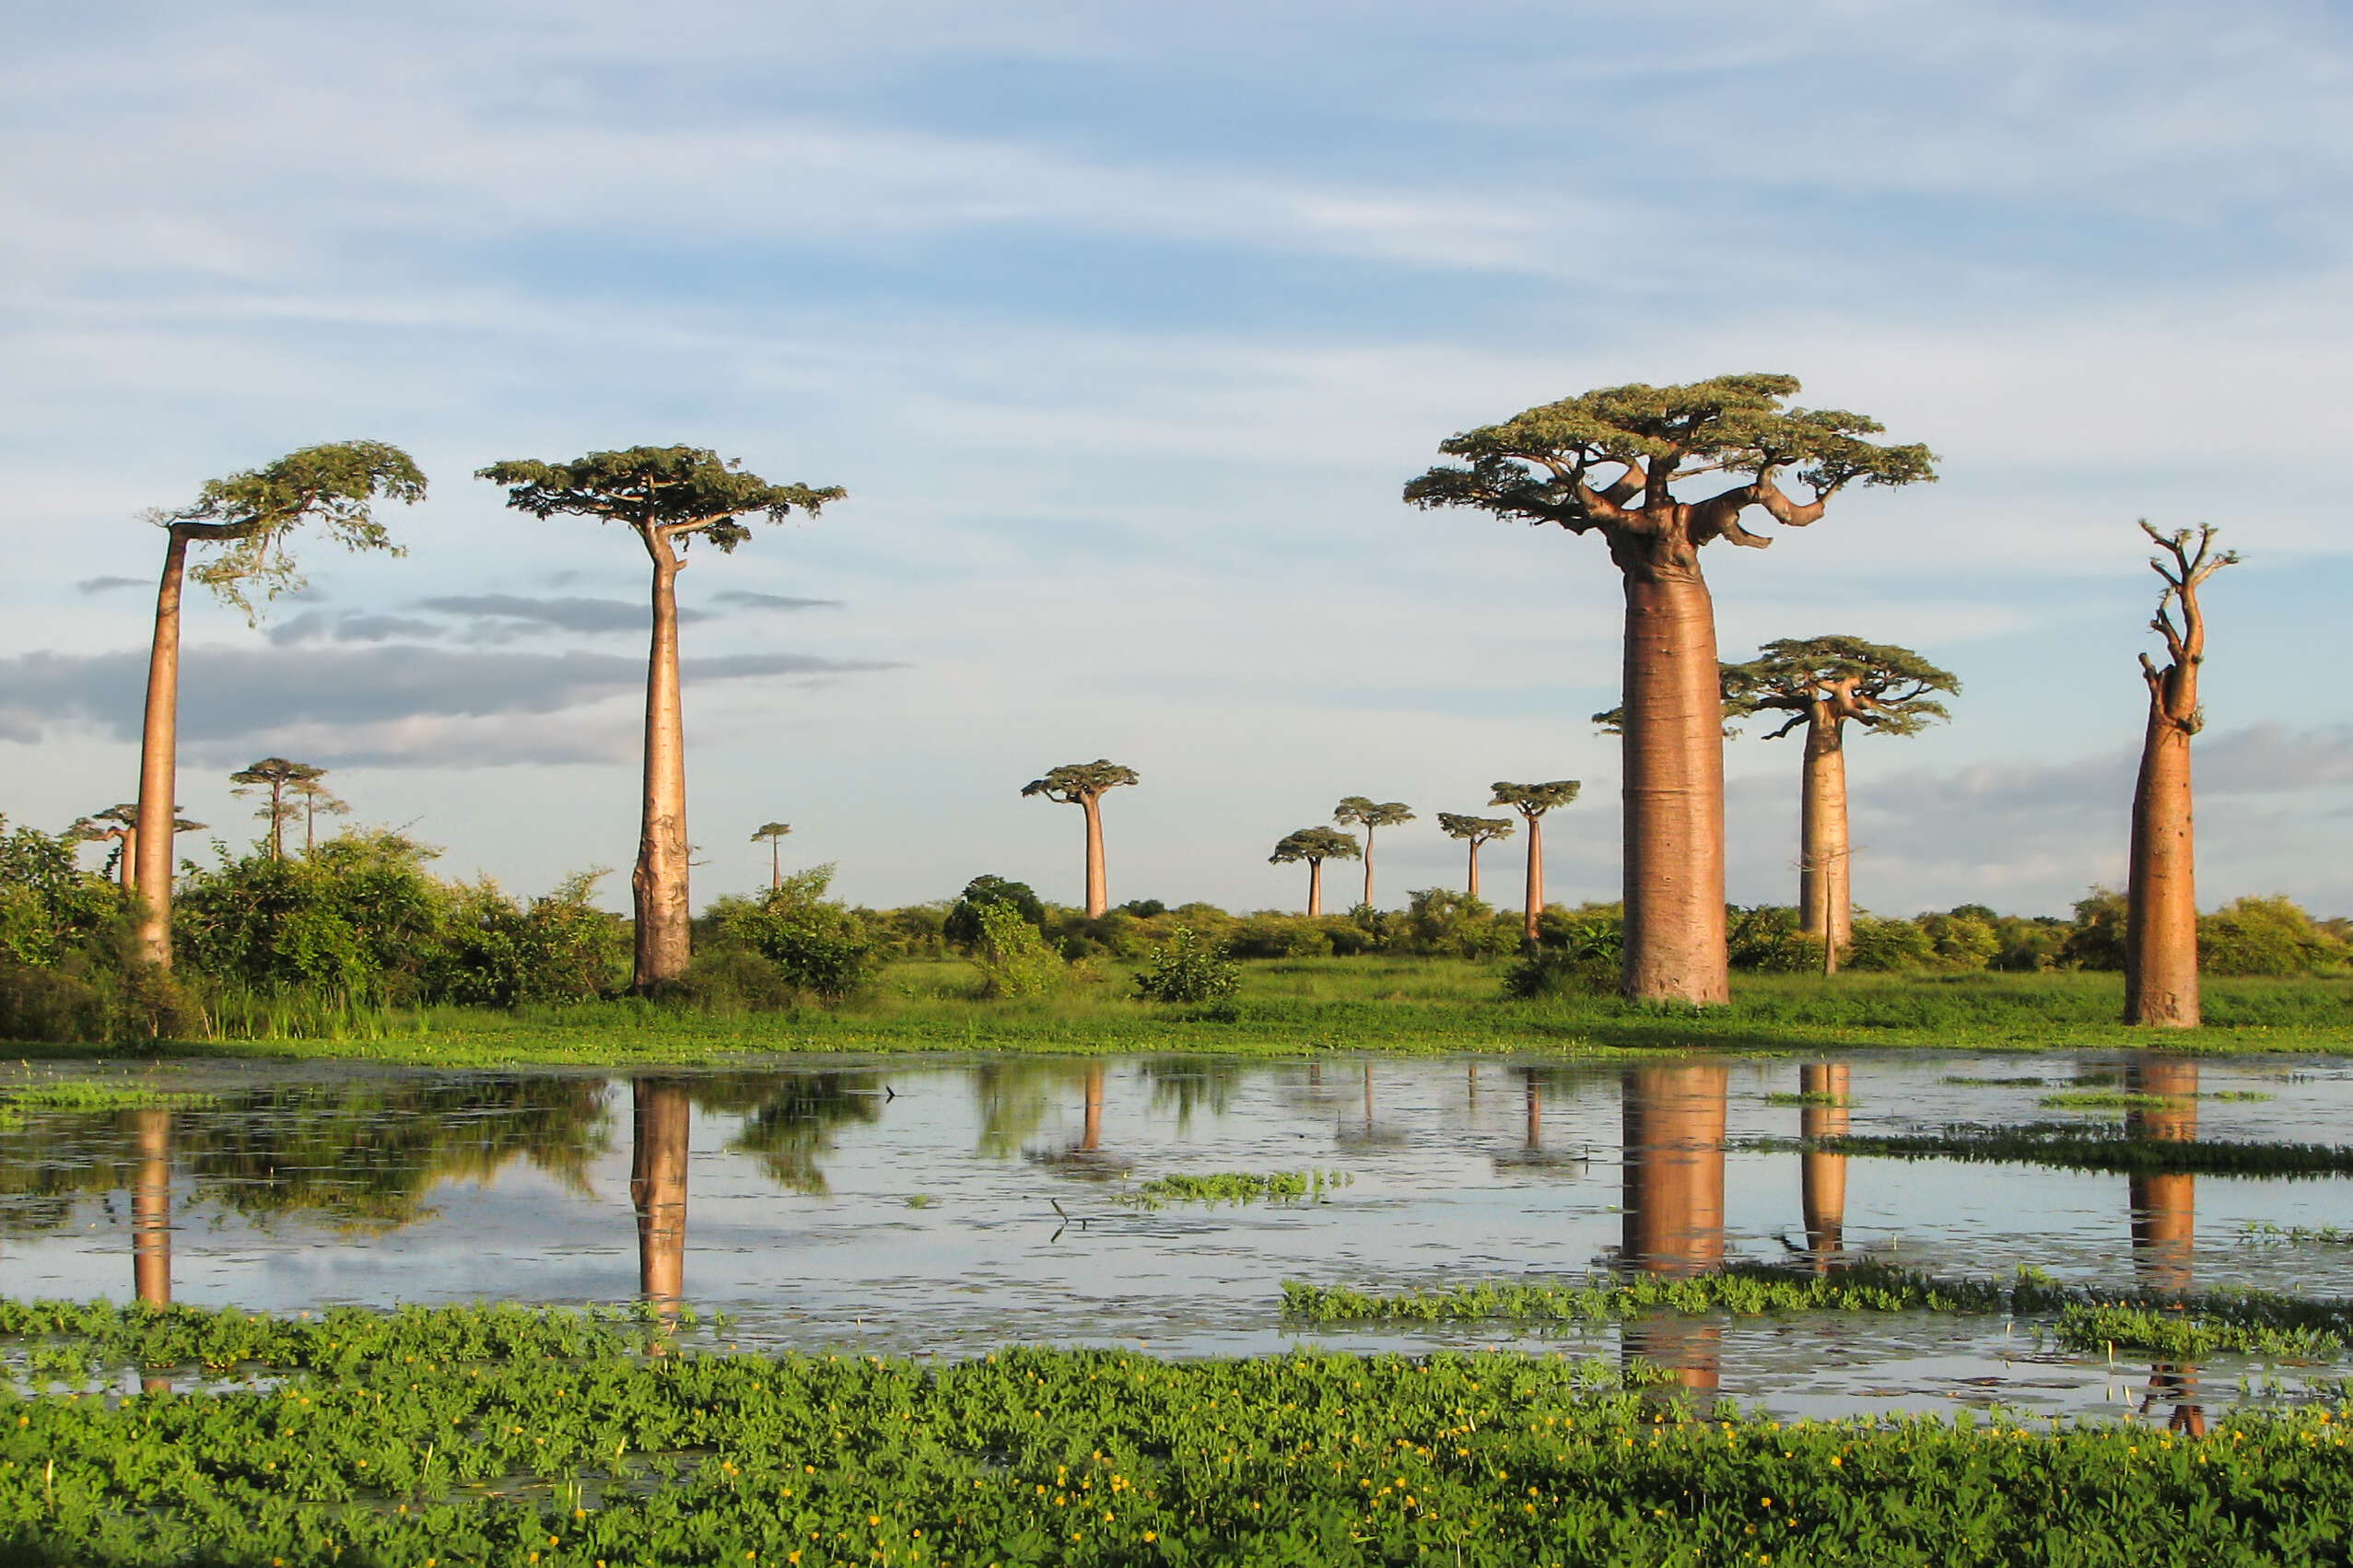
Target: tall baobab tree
(1359,811)
(1083,784)
(248,519)
(1315,846)
(1474,831)
(1532,801)
(314,799)
(669,496)
(275,776)
(1824,684)
(1546,464)
(2161,904)
(772,833)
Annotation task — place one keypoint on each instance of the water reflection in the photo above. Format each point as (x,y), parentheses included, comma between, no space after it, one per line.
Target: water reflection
(1823,1177)
(2164,1222)
(151,1206)
(790,1121)
(1673,1209)
(1531,1153)
(662,1117)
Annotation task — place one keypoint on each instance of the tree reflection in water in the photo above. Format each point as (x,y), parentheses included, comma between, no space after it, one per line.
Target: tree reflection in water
(1673,1209)
(661,1119)
(2164,1222)
(1531,1152)
(1823,1177)
(792,1120)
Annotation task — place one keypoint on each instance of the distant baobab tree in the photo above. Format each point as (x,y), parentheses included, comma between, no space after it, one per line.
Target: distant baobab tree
(1474,831)
(314,799)
(1824,684)
(274,776)
(1315,846)
(773,833)
(1542,466)
(120,823)
(669,496)
(1532,801)
(2160,903)
(250,517)
(1359,811)
(1082,784)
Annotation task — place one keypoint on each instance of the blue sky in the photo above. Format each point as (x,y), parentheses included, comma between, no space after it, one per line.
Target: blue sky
(1123,328)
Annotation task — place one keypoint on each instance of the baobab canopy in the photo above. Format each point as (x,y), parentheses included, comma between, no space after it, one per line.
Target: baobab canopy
(1878,685)
(252,513)
(684,492)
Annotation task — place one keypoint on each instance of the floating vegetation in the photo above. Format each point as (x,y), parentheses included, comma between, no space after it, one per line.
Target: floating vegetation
(2240,1094)
(91,1098)
(919,1201)
(2108,1100)
(1968,1082)
(2082,1147)
(1238,1187)
(1742,1290)
(2264,1233)
(2182,1336)
(1812,1097)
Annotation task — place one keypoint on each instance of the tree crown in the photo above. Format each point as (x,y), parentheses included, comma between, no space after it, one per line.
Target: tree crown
(768,830)
(275,770)
(1076,781)
(1315,845)
(1540,464)
(1532,801)
(1878,685)
(673,493)
(252,514)
(1457,824)
(1362,810)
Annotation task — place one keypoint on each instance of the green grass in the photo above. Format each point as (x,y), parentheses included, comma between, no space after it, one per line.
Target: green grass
(1236,1187)
(2106,1100)
(1742,1291)
(93,1098)
(463,1436)
(2077,1146)
(1291,1007)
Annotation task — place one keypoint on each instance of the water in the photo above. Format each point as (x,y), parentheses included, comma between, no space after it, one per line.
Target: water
(938,1207)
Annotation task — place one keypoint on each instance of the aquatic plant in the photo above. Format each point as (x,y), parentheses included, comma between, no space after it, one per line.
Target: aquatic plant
(2081,1147)
(2105,1100)
(1741,1290)
(2265,1233)
(1788,1098)
(1966,1081)
(1236,1187)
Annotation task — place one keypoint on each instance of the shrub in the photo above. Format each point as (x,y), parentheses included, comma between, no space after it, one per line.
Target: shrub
(1888,945)
(1267,935)
(963,925)
(1962,941)
(1556,972)
(732,979)
(2097,938)
(2265,936)
(1766,938)
(1012,958)
(1440,921)
(816,944)
(1189,969)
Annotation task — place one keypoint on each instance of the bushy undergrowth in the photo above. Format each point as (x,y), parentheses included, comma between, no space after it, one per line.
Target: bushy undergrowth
(1190,968)
(423,1448)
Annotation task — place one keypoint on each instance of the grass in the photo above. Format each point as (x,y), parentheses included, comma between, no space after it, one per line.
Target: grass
(464,1435)
(1236,1187)
(2265,1233)
(1815,1098)
(2107,1100)
(1290,1007)
(2079,1147)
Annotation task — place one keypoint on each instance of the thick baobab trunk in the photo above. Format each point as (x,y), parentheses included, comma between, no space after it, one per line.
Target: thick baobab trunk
(1674,791)
(662,1117)
(1099,894)
(2161,915)
(659,882)
(1533,899)
(160,762)
(1673,1204)
(151,1208)
(1825,902)
(1823,1177)
(1315,888)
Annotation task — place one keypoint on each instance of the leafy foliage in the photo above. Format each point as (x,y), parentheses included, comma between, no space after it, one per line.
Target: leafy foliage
(1315,846)
(1076,781)
(1190,968)
(683,493)
(1878,685)
(964,927)
(1014,959)
(819,945)
(251,515)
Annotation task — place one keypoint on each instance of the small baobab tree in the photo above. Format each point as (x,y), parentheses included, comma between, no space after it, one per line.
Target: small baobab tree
(1474,831)
(1315,846)
(276,778)
(1532,801)
(314,799)
(669,496)
(1548,464)
(1083,785)
(247,521)
(120,823)
(2161,902)
(1824,684)
(1360,812)
(772,833)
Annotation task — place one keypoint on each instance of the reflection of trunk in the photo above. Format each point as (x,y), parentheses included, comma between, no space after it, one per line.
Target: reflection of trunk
(1674,1203)
(2161,916)
(1315,888)
(1674,790)
(1823,1177)
(2164,1224)
(1099,894)
(1825,904)
(1535,1093)
(160,762)
(659,882)
(657,1188)
(151,1206)
(1368,1096)
(1093,1138)
(1535,893)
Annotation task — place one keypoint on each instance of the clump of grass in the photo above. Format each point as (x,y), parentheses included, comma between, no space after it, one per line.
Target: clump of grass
(2081,1147)
(919,1201)
(72,1096)
(2106,1100)
(1238,1187)
(2237,1095)
(1967,1082)
(2178,1336)
(2265,1233)
(1742,1290)
(1811,1097)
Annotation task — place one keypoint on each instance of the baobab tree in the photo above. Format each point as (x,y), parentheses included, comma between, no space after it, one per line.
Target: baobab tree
(314,799)
(1315,846)
(1550,464)
(669,496)
(249,519)
(275,776)
(772,833)
(1824,684)
(1474,831)
(1361,811)
(1532,801)
(2160,903)
(120,823)
(1083,784)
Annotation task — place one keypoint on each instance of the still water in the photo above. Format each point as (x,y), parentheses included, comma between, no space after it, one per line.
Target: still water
(938,1207)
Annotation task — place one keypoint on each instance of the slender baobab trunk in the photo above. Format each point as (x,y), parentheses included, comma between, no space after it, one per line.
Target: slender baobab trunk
(659,883)
(1673,1202)
(1825,902)
(1823,1177)
(1674,791)
(151,1208)
(775,867)
(662,1117)
(1315,888)
(126,865)
(1534,898)
(1368,865)
(2161,913)
(158,762)
(1472,888)
(1098,897)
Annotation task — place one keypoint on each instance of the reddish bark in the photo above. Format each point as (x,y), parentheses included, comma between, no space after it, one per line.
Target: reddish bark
(151,1206)
(1674,790)
(1825,897)
(1673,1221)
(1823,1176)
(658,884)
(662,1117)
(159,759)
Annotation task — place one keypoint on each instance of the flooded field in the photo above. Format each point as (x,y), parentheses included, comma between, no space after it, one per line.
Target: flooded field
(941,1207)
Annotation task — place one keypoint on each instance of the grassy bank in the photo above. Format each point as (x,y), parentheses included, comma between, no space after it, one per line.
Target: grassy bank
(1291,1007)
(464,1435)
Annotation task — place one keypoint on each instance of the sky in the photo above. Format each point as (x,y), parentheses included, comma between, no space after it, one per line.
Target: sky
(1123,327)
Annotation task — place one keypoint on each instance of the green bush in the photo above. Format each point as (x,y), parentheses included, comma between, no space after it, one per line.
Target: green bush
(2265,936)
(963,926)
(817,945)
(1558,972)
(1441,921)
(559,949)
(1267,935)
(1012,958)
(1189,969)
(1888,945)
(1766,940)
